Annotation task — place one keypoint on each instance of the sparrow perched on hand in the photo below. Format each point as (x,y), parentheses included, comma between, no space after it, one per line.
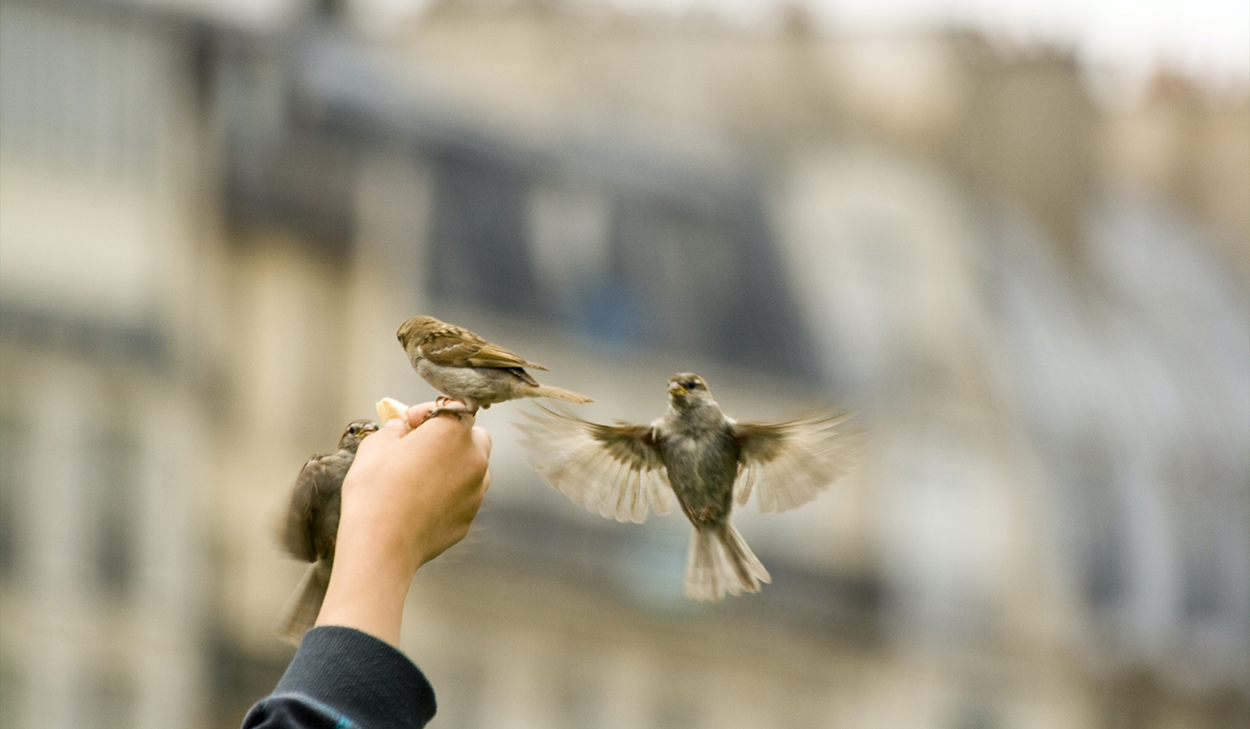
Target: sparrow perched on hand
(707,459)
(311,527)
(465,367)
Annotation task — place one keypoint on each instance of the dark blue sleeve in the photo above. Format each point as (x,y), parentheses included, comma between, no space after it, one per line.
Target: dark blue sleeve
(342,678)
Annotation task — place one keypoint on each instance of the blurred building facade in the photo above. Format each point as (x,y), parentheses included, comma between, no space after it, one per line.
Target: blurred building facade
(105,430)
(212,224)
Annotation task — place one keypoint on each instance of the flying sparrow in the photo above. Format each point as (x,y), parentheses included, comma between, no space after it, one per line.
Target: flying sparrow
(707,459)
(465,367)
(311,527)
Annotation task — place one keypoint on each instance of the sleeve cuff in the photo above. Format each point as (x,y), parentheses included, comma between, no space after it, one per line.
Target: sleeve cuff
(364,678)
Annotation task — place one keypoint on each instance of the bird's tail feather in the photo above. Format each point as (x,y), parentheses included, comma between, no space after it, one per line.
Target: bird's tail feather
(301,612)
(557,393)
(719,561)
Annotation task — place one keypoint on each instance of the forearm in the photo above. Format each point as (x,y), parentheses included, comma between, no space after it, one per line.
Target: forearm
(409,495)
(367,591)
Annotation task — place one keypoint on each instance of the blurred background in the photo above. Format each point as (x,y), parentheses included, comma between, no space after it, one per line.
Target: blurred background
(1014,236)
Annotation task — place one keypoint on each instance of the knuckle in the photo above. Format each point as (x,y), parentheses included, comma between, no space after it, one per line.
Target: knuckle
(480,465)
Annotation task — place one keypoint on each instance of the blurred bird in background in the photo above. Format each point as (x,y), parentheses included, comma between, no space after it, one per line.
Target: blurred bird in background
(707,459)
(311,526)
(465,367)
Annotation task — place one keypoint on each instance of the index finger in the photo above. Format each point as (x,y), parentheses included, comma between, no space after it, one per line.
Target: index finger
(417,412)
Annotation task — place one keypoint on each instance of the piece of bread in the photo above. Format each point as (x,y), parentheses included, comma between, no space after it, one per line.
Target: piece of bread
(389,407)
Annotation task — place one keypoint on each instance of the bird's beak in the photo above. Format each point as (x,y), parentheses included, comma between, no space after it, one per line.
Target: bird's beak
(674,388)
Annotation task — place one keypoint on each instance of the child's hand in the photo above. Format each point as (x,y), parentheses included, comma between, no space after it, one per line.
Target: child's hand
(410,495)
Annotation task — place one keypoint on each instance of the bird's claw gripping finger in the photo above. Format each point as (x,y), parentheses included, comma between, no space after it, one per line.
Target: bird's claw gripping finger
(459,412)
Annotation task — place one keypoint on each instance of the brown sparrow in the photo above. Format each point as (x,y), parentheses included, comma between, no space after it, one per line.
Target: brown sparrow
(311,527)
(465,367)
(707,459)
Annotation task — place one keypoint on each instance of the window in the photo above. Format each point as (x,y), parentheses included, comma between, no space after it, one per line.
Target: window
(112,474)
(11,458)
(1105,558)
(479,250)
(79,93)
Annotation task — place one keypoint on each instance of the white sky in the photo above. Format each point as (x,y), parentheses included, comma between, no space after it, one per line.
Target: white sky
(1206,39)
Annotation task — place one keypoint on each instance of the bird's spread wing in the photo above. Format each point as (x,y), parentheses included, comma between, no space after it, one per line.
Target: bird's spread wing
(295,533)
(613,470)
(788,464)
(455,347)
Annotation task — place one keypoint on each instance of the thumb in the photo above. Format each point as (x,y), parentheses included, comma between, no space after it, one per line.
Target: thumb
(393,429)
(417,412)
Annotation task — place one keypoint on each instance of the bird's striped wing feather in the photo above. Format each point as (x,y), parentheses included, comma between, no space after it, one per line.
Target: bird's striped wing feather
(788,464)
(613,470)
(295,533)
(456,347)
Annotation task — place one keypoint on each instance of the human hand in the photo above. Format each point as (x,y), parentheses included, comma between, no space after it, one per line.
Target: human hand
(410,495)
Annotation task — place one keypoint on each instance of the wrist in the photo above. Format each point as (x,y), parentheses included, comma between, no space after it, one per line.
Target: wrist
(368,586)
(376,543)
